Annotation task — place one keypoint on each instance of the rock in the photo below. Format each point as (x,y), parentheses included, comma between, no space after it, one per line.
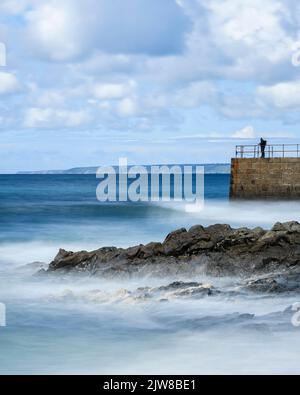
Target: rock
(134,252)
(178,285)
(181,289)
(175,235)
(198,231)
(292,226)
(286,281)
(153,249)
(219,232)
(258,231)
(278,227)
(216,250)
(265,285)
(272,237)
(200,246)
(177,242)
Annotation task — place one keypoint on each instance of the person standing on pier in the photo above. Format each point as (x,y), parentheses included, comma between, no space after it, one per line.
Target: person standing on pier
(263,144)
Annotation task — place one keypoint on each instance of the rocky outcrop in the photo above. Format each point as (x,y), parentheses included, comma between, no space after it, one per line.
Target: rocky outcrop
(288,280)
(217,250)
(165,293)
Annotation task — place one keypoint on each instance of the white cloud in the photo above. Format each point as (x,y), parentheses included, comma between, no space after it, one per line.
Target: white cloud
(109,91)
(239,106)
(239,25)
(16,6)
(127,107)
(65,30)
(55,29)
(234,39)
(245,133)
(113,91)
(195,94)
(48,118)
(248,132)
(8,83)
(51,98)
(284,95)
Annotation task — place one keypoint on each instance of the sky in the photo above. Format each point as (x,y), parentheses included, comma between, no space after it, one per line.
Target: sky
(85,82)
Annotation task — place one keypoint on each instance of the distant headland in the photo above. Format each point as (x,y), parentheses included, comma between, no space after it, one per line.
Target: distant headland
(211,168)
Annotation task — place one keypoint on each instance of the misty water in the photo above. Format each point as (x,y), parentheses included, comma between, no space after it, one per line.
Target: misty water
(80,324)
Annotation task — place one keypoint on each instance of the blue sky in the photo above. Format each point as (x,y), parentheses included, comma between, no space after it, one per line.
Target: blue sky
(88,81)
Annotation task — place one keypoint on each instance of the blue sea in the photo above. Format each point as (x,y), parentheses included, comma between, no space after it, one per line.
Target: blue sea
(79,325)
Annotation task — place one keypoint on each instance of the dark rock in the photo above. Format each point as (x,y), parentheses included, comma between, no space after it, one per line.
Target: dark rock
(178,285)
(181,289)
(292,226)
(219,232)
(197,230)
(216,250)
(175,235)
(152,249)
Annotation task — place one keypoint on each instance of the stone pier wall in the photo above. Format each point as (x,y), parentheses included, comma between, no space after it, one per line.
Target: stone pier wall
(275,178)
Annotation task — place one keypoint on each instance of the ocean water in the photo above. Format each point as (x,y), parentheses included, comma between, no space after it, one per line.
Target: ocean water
(79,325)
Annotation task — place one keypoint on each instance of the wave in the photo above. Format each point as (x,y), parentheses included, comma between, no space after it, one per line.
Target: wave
(240,214)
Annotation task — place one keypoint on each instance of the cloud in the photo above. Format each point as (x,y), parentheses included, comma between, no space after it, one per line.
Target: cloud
(16,6)
(50,118)
(196,94)
(52,98)
(74,28)
(56,30)
(193,95)
(245,133)
(235,39)
(8,83)
(113,91)
(284,95)
(248,132)
(127,107)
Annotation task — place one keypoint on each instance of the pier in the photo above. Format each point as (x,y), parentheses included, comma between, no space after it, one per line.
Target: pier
(276,176)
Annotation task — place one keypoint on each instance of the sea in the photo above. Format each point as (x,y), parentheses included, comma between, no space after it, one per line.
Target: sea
(88,325)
